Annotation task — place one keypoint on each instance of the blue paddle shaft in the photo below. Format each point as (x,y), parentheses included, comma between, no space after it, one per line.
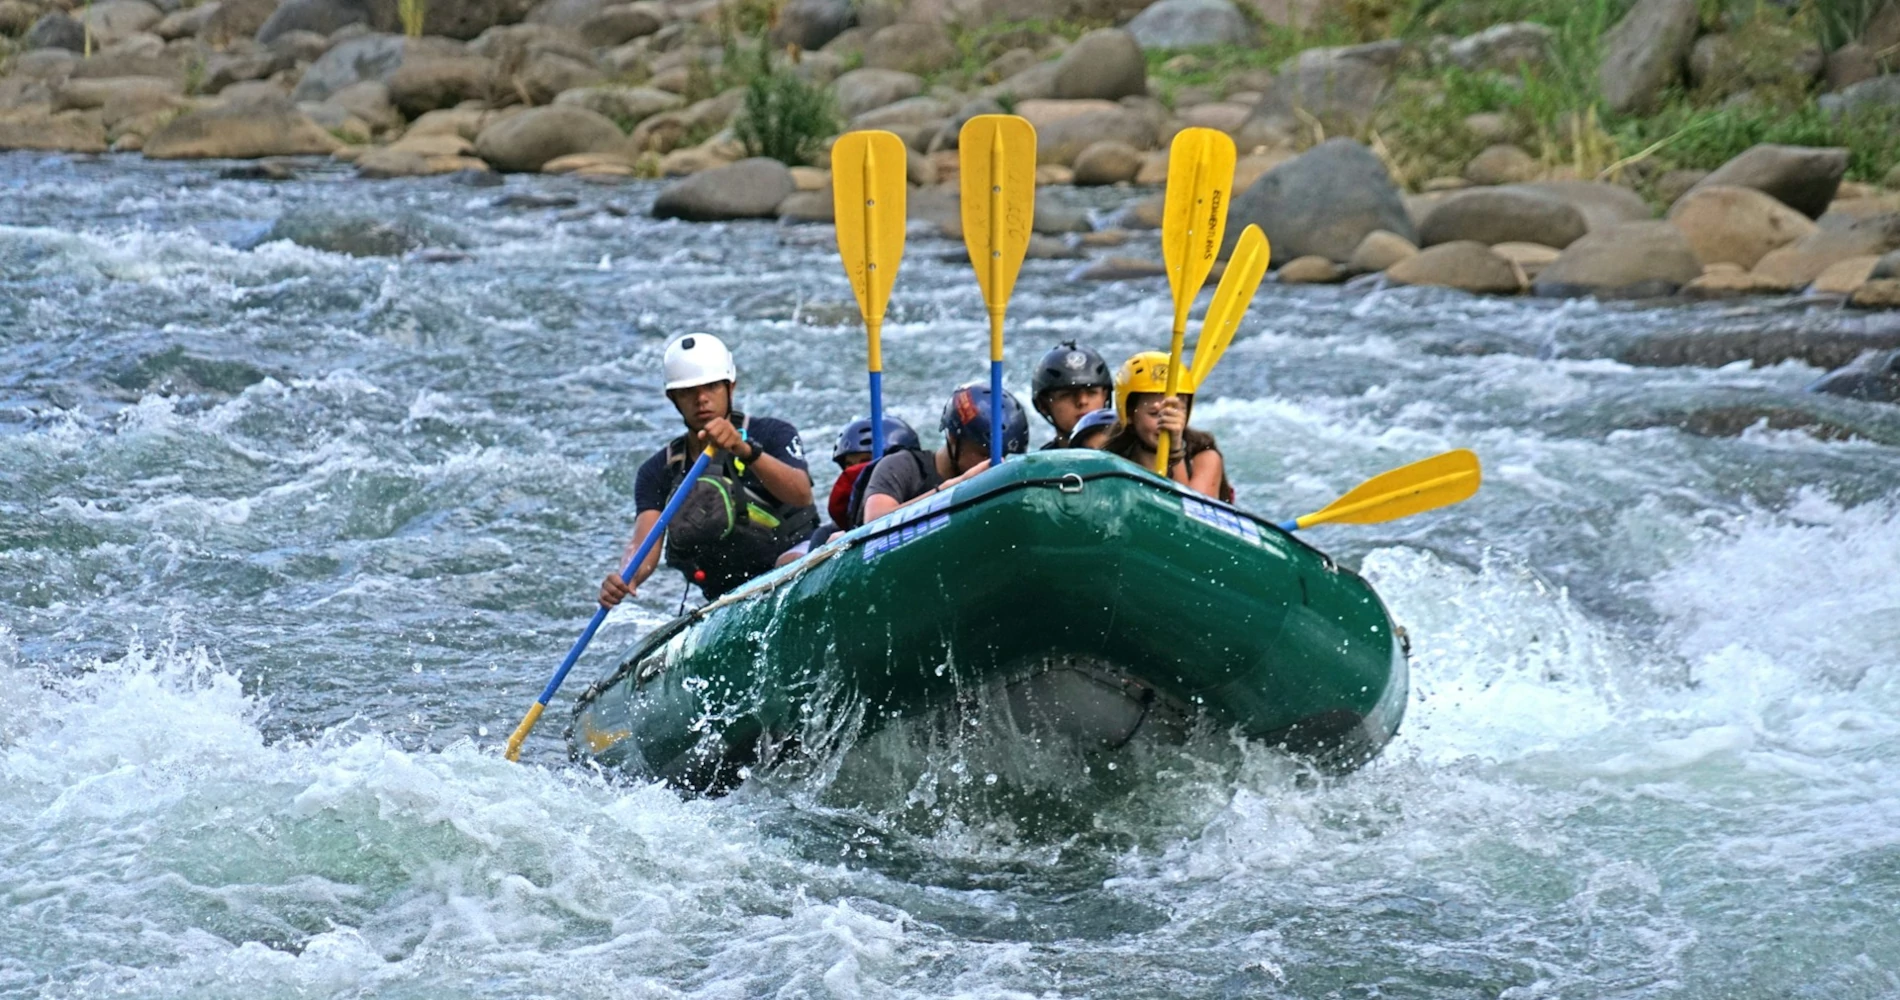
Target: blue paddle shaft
(626,575)
(1290,525)
(877,415)
(996,413)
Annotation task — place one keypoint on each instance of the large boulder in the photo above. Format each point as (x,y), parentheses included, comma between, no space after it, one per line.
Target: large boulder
(82,95)
(1799,263)
(1505,48)
(1107,162)
(1736,225)
(912,48)
(1873,377)
(748,189)
(1601,205)
(1180,24)
(426,82)
(1379,251)
(1105,64)
(1060,142)
(1632,260)
(323,17)
(1464,265)
(228,21)
(909,111)
(1341,87)
(268,127)
(809,24)
(71,131)
(523,142)
(622,23)
(1323,202)
(1645,52)
(1502,215)
(1804,178)
(548,73)
(56,31)
(1724,64)
(113,21)
(862,90)
(371,57)
(1878,95)
(626,106)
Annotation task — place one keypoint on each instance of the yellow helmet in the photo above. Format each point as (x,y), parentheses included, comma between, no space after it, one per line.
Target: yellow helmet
(1145,372)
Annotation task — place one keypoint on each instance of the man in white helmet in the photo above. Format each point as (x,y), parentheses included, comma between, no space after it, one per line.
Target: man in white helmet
(754,500)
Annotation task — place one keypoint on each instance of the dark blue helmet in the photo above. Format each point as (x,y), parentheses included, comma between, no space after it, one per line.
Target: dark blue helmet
(856,436)
(1102,419)
(966,419)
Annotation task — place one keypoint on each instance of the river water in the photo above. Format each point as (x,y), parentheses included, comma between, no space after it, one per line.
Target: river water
(290,538)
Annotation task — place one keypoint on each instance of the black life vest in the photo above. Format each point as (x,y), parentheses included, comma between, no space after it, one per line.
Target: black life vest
(725,532)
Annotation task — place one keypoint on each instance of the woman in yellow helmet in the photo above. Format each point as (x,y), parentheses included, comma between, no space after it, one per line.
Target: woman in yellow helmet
(1145,411)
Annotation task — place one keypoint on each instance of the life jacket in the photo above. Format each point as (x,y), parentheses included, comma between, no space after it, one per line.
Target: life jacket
(725,532)
(841,492)
(855,513)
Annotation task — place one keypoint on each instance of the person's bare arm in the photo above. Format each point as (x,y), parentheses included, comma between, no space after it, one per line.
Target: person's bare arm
(1204,473)
(877,505)
(612,591)
(790,484)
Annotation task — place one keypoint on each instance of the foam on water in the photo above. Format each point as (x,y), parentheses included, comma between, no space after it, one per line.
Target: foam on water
(288,540)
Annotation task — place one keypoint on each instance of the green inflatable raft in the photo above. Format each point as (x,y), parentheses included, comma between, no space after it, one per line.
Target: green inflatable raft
(1097,598)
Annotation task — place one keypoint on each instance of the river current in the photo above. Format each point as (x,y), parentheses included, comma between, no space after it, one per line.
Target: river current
(290,538)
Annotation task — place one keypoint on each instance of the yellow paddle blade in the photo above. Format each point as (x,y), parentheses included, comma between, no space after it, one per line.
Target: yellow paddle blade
(1194,214)
(1237,286)
(996,155)
(867,191)
(1439,481)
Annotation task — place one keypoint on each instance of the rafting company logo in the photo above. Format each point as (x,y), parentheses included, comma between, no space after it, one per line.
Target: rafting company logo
(1076,361)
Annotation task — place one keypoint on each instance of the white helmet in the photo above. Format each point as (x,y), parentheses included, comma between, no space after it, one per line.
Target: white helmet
(698,359)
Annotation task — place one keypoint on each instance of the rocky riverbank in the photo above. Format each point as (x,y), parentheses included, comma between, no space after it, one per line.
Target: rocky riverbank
(609,91)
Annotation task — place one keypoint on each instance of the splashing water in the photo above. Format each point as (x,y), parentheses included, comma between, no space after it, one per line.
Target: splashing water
(288,540)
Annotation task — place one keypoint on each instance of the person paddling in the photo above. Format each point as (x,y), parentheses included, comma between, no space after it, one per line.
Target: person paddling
(753,502)
(1069,382)
(852,455)
(904,476)
(1145,411)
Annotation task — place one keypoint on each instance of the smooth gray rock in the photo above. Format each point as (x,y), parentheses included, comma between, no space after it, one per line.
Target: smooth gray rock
(323,17)
(1645,52)
(1502,215)
(1180,24)
(1873,377)
(1104,64)
(1341,87)
(1804,178)
(1633,260)
(56,31)
(525,141)
(1505,48)
(809,24)
(1323,202)
(748,189)
(862,90)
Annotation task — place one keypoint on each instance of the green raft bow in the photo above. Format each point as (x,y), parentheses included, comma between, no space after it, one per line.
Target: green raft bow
(1099,597)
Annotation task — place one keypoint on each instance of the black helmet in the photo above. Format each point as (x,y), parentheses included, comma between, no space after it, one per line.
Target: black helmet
(1067,366)
(966,418)
(856,436)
